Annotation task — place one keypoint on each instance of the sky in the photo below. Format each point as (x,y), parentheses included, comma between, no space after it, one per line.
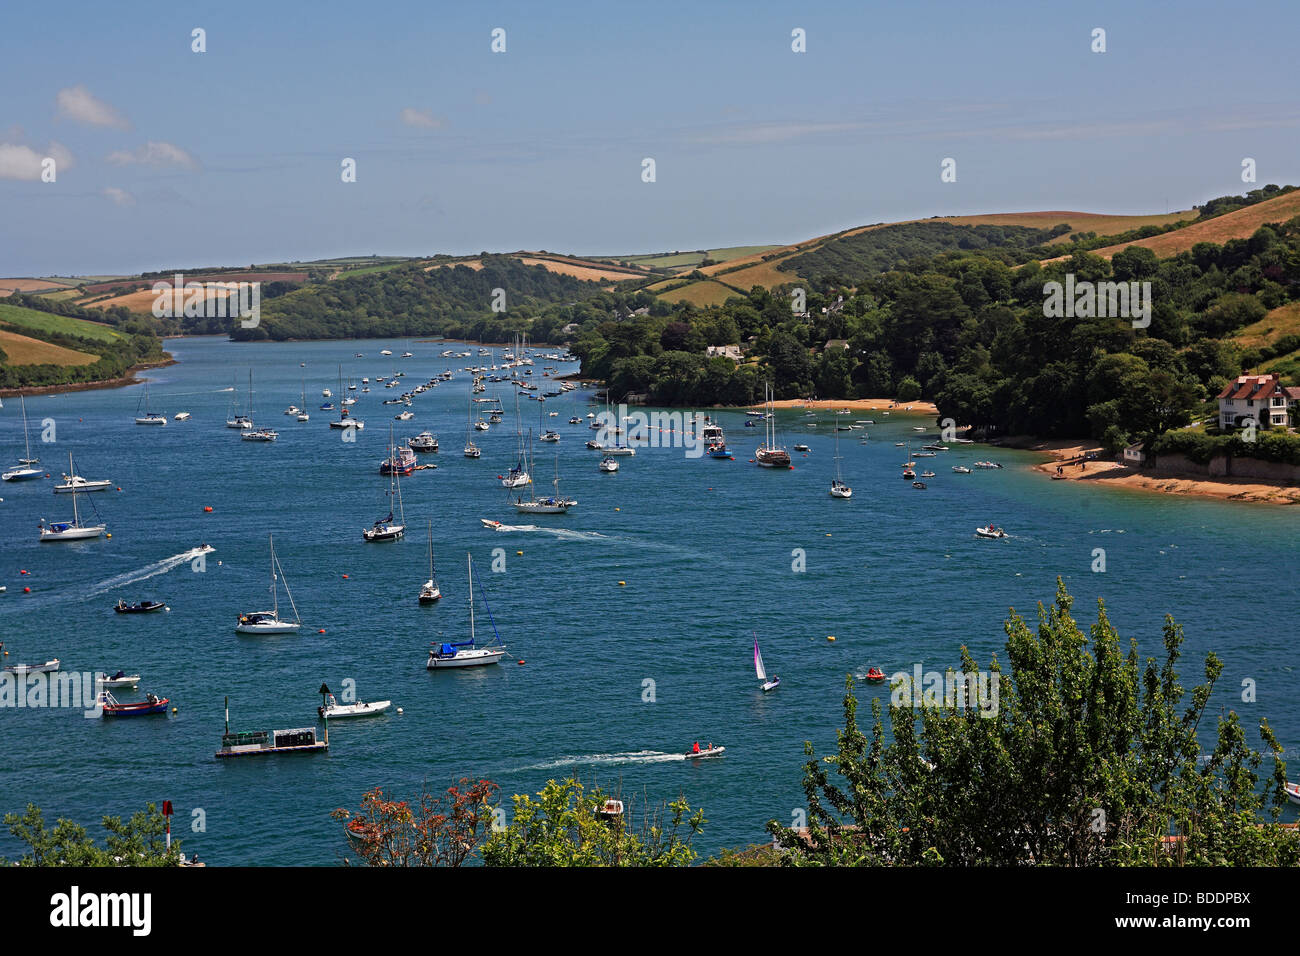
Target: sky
(169,158)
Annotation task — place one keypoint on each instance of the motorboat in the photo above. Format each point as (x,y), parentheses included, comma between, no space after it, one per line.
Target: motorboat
(1292,792)
(703,753)
(140,607)
(987,464)
(961,469)
(181,417)
(608,464)
(333,710)
(990,532)
(72,530)
(19,670)
(423,442)
(77,483)
(120,679)
(109,706)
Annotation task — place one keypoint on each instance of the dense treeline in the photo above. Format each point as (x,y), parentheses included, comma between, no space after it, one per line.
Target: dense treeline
(453,301)
(970,333)
(850,259)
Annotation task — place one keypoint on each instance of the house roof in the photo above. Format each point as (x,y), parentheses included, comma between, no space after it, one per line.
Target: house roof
(1257,387)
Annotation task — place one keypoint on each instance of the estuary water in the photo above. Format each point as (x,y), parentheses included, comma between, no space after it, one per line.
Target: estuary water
(633,614)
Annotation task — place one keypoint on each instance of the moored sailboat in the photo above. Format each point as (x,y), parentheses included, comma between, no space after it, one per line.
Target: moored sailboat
(430,594)
(269,622)
(72,530)
(770,454)
(24,471)
(468,653)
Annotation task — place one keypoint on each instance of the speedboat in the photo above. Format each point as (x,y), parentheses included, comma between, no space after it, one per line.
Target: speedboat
(927,474)
(919,485)
(990,532)
(802,448)
(140,607)
(701,754)
(181,417)
(491,525)
(77,483)
(961,469)
(332,709)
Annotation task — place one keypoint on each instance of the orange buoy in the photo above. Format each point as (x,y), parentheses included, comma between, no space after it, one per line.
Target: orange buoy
(206,508)
(521,661)
(321,631)
(25,591)
(345,577)
(24,571)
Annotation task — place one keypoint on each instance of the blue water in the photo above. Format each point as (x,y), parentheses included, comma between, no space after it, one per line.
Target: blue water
(704,548)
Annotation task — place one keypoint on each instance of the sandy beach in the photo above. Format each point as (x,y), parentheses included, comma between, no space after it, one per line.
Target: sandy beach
(857,405)
(1109,473)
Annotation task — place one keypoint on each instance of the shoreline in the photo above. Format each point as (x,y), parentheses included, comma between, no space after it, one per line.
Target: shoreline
(857,405)
(1106,472)
(130,378)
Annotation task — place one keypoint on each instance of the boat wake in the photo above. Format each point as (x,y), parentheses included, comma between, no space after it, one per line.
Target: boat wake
(606,760)
(567,534)
(148,571)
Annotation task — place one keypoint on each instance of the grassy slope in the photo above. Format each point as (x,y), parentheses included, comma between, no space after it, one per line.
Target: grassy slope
(1234,225)
(31,319)
(22,350)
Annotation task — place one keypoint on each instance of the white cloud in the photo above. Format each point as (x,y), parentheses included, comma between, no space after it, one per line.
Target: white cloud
(154,153)
(78,103)
(421,119)
(23,162)
(120,196)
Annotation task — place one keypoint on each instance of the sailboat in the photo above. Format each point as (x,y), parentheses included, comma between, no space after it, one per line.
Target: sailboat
(72,530)
(236,420)
(148,418)
(25,471)
(343,421)
(908,473)
(839,489)
(471,449)
(550,505)
(468,653)
(251,433)
(517,477)
(619,448)
(268,622)
(760,671)
(770,454)
(387,529)
(429,594)
(302,413)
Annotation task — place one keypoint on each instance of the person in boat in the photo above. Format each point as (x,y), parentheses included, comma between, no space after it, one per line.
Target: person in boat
(696,748)
(119,675)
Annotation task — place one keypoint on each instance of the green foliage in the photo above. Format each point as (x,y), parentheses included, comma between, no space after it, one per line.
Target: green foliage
(140,841)
(1198,446)
(563,828)
(869,253)
(1089,758)
(132,342)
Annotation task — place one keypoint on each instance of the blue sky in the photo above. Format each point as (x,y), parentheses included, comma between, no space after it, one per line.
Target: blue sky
(169,158)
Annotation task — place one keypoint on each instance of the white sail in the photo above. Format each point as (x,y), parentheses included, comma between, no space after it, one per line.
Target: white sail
(759,670)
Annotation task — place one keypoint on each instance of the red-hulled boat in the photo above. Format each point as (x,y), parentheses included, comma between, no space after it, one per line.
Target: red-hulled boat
(875,676)
(152,704)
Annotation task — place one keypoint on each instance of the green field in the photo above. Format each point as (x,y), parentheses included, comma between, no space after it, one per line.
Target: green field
(686,260)
(19,317)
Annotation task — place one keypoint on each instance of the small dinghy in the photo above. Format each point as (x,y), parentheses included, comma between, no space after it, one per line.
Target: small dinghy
(152,704)
(961,469)
(1293,792)
(875,675)
(120,679)
(139,607)
(990,532)
(711,751)
(333,710)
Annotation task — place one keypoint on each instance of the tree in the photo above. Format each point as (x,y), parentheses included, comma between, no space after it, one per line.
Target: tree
(909,389)
(140,841)
(563,827)
(432,831)
(1087,757)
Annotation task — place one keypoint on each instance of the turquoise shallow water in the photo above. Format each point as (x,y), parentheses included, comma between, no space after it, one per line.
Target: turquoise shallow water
(704,546)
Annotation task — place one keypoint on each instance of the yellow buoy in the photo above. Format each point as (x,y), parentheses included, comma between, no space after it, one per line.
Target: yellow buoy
(830,637)
(174,710)
(107,535)
(622,584)
(520,553)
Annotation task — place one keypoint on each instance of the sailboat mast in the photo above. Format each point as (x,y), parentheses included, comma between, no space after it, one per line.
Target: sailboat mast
(27,438)
(76,517)
(470,563)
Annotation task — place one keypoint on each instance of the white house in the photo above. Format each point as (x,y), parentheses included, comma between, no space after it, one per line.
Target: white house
(1261,398)
(726,351)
